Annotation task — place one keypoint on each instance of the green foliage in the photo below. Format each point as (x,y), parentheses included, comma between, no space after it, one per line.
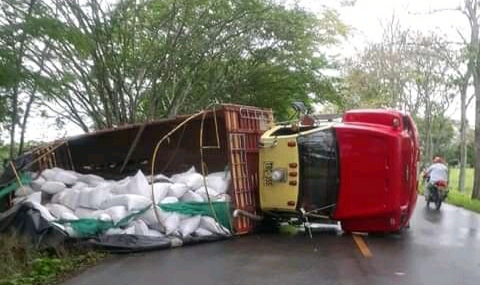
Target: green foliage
(441,139)
(463,200)
(107,65)
(453,179)
(21,264)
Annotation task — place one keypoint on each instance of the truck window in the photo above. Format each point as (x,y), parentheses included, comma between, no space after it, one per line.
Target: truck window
(319,170)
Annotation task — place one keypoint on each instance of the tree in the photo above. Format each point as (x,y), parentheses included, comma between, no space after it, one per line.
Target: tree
(407,70)
(20,77)
(142,60)
(470,9)
(461,78)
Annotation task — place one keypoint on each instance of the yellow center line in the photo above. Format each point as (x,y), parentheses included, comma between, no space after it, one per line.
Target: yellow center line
(362,246)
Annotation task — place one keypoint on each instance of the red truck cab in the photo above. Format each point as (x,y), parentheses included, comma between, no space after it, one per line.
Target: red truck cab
(361,171)
(379,152)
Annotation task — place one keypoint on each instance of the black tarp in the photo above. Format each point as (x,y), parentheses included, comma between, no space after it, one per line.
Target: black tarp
(133,243)
(25,220)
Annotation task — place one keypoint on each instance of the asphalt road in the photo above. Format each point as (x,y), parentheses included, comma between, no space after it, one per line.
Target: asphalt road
(440,248)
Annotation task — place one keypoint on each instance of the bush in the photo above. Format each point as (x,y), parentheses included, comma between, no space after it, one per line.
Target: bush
(21,264)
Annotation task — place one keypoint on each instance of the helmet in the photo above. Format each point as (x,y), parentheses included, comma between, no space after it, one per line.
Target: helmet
(438,159)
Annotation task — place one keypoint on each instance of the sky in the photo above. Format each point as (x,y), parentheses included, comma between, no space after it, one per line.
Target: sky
(365,18)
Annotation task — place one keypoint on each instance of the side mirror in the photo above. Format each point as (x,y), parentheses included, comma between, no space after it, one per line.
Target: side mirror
(299,107)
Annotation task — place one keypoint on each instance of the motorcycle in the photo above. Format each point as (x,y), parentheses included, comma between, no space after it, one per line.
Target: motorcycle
(437,193)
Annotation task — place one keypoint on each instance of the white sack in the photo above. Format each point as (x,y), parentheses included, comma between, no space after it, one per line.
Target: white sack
(98,195)
(171,223)
(154,233)
(121,187)
(50,173)
(115,231)
(151,219)
(161,178)
(169,200)
(35,197)
(68,198)
(59,197)
(137,184)
(65,177)
(223,198)
(43,211)
(102,216)
(91,179)
(140,227)
(23,191)
(61,212)
(189,225)
(201,232)
(84,213)
(117,213)
(176,177)
(129,231)
(160,190)
(209,224)
(80,185)
(191,196)
(203,192)
(53,187)
(220,181)
(177,190)
(37,183)
(83,197)
(192,180)
(132,202)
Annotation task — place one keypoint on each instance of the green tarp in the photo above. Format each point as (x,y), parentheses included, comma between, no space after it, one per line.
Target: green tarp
(220,211)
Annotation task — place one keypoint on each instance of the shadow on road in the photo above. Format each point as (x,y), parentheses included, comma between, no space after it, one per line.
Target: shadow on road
(432,215)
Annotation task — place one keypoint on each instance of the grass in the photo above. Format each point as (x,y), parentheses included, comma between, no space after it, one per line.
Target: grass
(21,264)
(454,172)
(461,199)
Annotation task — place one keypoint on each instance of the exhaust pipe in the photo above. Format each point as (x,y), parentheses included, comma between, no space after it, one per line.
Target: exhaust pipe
(237,213)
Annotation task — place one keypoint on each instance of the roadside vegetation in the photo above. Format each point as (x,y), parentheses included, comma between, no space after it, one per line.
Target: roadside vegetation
(462,199)
(21,264)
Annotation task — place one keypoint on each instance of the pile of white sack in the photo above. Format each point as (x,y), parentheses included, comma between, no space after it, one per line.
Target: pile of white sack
(74,196)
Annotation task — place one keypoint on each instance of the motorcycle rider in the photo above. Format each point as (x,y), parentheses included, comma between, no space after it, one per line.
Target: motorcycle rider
(437,172)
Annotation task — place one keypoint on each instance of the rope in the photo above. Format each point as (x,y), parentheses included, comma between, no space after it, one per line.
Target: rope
(203,164)
(19,181)
(155,152)
(205,171)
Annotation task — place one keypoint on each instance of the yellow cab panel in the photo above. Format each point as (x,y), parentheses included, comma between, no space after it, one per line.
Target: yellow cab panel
(277,159)
(280,168)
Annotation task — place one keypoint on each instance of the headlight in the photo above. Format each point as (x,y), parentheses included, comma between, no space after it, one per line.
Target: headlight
(278,175)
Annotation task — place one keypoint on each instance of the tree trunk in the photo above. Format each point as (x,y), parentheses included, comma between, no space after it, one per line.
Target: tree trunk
(463,137)
(476,183)
(474,49)
(428,128)
(16,89)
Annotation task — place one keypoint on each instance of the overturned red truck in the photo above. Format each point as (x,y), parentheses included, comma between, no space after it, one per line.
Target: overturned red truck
(360,169)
